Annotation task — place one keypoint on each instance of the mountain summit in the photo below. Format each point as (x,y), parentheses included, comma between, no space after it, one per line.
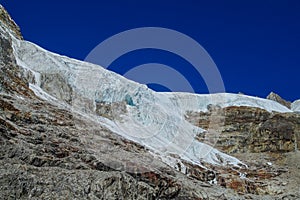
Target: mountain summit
(73,130)
(275,97)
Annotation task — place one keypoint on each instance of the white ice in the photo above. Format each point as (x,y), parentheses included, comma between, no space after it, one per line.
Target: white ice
(155,120)
(296,106)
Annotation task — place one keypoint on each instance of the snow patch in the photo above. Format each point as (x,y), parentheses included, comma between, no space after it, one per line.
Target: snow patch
(296,106)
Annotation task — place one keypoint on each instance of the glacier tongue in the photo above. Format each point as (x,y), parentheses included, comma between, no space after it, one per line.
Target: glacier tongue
(155,120)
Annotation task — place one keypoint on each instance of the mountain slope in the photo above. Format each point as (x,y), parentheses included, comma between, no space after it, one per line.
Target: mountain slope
(150,120)
(71,129)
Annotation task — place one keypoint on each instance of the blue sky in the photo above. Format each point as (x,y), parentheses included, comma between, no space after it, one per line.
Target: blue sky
(255,44)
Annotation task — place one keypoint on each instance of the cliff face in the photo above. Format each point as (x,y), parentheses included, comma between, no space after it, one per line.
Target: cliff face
(58,139)
(267,141)
(7,21)
(253,130)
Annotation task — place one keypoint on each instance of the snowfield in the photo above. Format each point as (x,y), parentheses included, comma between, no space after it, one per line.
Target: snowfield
(296,106)
(155,120)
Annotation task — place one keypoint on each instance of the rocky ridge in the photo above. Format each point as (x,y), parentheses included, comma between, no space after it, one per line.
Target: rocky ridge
(275,97)
(7,21)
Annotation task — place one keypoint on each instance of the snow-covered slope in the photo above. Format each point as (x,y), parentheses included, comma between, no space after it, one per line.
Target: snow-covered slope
(201,101)
(296,106)
(155,120)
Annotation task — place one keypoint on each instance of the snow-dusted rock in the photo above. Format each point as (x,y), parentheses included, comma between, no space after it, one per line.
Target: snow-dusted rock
(275,97)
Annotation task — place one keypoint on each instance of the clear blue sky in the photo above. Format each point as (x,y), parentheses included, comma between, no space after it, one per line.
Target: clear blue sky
(255,44)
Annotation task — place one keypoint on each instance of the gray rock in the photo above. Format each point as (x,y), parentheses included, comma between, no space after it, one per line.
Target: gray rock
(275,97)
(9,23)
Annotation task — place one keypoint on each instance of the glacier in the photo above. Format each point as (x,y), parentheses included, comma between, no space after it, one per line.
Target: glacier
(154,120)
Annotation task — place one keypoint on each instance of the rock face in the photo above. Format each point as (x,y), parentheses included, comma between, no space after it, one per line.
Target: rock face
(275,97)
(9,23)
(48,150)
(253,130)
(265,140)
